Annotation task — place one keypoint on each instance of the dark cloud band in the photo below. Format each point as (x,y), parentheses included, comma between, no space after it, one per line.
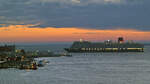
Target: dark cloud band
(77,13)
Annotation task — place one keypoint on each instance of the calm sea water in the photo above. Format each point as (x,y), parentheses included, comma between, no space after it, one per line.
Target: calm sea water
(95,68)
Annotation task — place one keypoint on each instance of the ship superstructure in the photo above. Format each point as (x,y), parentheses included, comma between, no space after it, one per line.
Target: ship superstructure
(107,46)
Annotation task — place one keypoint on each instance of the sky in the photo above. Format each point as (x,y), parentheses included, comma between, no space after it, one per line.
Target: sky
(70,20)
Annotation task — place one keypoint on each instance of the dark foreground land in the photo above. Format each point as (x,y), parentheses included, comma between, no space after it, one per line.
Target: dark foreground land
(10,57)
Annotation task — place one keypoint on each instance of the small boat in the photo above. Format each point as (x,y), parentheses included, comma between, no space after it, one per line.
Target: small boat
(41,63)
(67,55)
(32,66)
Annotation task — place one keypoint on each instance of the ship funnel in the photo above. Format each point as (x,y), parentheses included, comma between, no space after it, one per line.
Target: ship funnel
(120,40)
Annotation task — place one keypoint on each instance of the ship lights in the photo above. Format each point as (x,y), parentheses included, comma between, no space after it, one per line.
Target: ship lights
(81,40)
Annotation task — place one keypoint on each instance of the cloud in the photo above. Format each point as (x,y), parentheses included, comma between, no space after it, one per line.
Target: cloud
(96,14)
(76,1)
(89,1)
(24,33)
(86,2)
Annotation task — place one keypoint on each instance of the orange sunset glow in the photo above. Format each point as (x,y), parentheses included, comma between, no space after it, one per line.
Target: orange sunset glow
(22,33)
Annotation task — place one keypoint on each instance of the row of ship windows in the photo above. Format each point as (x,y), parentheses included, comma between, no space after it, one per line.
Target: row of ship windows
(110,48)
(98,48)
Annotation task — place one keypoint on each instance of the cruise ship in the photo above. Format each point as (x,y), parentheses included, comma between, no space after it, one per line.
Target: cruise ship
(106,46)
